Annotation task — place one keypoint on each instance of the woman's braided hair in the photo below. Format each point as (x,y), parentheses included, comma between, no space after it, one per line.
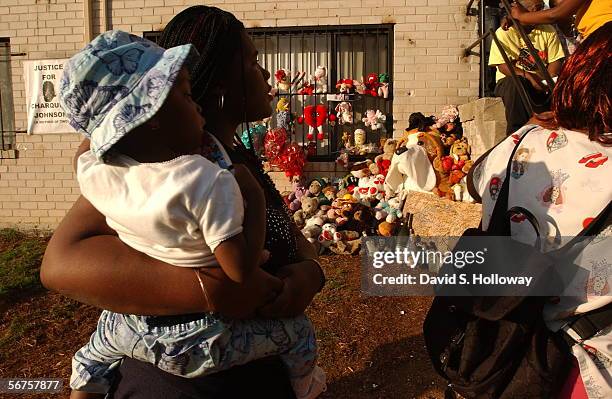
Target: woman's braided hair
(217,35)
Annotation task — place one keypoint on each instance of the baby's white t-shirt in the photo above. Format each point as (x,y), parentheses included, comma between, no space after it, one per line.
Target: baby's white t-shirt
(176,211)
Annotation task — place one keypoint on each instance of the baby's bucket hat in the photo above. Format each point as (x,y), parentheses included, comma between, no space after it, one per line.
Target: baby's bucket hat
(117,83)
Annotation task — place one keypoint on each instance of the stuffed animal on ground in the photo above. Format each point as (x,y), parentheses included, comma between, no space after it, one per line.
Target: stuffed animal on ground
(460,150)
(449,114)
(383,161)
(329,193)
(365,220)
(295,197)
(346,235)
(344,112)
(315,188)
(395,211)
(361,169)
(383,89)
(386,229)
(326,238)
(320,79)
(347,185)
(313,228)
(374,119)
(283,115)
(347,247)
(309,208)
(283,79)
(381,210)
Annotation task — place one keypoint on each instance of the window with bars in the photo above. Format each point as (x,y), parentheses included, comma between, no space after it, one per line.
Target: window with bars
(347,52)
(7,112)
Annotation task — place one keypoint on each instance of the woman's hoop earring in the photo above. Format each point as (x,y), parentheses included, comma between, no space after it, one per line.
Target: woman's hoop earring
(221,101)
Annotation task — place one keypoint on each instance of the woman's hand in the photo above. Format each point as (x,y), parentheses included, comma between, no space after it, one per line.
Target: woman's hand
(517,11)
(302,281)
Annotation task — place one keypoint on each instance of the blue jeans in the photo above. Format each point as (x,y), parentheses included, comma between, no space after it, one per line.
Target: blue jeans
(191,349)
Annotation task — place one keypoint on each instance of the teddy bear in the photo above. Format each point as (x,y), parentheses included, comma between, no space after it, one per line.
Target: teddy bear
(361,169)
(374,119)
(344,112)
(295,197)
(395,211)
(283,79)
(320,79)
(365,220)
(308,209)
(313,228)
(460,150)
(383,161)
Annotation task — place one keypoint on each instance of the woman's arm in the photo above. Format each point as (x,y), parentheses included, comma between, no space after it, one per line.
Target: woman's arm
(564,10)
(87,262)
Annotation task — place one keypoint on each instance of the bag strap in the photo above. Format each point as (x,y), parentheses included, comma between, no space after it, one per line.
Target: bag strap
(585,326)
(499,224)
(470,176)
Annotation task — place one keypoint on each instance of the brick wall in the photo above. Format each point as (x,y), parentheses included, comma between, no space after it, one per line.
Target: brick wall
(38,186)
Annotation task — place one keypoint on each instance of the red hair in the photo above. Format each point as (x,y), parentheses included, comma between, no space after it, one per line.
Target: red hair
(581,99)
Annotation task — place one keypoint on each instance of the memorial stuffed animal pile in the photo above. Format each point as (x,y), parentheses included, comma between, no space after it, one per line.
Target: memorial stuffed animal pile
(447,150)
(336,214)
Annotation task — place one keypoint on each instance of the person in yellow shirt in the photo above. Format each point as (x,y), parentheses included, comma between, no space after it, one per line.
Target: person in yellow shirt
(546,42)
(590,14)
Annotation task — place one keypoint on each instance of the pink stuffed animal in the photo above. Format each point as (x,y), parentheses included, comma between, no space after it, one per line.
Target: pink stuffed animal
(374,119)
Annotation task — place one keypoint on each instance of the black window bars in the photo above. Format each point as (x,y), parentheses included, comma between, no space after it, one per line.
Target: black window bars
(347,52)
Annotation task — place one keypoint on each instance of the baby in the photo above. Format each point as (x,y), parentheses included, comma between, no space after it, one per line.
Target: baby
(144,172)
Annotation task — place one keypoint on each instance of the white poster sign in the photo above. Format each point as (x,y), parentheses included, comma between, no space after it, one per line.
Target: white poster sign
(45,114)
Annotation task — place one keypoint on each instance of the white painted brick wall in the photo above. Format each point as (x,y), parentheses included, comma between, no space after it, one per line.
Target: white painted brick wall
(37,188)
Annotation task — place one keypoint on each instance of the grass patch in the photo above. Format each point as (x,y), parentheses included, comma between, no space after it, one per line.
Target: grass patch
(20,257)
(18,328)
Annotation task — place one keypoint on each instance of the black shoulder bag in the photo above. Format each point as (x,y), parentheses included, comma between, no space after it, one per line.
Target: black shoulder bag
(500,347)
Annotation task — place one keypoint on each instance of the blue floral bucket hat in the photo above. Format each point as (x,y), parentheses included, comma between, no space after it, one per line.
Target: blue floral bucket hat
(117,83)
